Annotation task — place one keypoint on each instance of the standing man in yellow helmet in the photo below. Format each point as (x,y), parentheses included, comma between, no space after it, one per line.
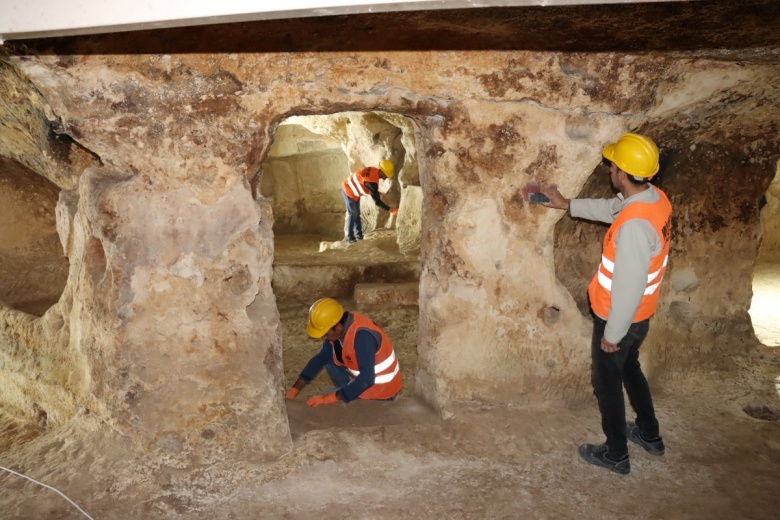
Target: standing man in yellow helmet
(356,353)
(624,295)
(365,181)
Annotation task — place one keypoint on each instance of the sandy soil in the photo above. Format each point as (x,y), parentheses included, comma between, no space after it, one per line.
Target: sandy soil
(400,460)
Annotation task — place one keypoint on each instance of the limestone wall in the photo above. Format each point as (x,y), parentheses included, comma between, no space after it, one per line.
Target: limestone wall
(301,178)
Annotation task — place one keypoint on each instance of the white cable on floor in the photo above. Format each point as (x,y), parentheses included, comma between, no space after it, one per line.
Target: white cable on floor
(44,485)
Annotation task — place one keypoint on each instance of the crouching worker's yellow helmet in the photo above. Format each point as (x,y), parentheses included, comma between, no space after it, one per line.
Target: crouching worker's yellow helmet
(635,154)
(387,167)
(323,315)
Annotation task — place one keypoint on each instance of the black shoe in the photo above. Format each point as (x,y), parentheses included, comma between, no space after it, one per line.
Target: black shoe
(597,455)
(351,241)
(656,447)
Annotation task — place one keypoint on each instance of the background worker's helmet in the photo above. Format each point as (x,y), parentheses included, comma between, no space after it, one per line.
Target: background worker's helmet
(635,154)
(387,167)
(323,314)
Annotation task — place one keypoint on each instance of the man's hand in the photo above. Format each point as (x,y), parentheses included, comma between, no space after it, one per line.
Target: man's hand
(292,393)
(608,347)
(393,211)
(323,399)
(557,200)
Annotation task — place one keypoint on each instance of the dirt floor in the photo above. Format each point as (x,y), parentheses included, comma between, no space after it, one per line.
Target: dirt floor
(379,247)
(400,460)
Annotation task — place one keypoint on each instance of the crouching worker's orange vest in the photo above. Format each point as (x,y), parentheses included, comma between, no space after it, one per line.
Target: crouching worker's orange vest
(387,381)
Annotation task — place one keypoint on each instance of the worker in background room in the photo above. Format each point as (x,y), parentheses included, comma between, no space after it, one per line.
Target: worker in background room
(624,295)
(364,182)
(356,353)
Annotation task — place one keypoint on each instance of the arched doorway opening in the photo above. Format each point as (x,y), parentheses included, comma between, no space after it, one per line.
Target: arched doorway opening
(765,305)
(377,276)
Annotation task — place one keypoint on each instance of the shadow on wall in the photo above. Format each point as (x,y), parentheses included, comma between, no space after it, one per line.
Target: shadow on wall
(578,242)
(33,267)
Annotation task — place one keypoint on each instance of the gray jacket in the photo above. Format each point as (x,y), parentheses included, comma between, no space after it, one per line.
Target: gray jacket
(636,242)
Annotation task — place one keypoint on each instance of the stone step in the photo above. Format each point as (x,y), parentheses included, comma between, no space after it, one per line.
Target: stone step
(304,283)
(395,294)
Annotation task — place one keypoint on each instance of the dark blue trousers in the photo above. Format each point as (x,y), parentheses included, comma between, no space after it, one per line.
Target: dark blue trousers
(339,375)
(354,224)
(609,373)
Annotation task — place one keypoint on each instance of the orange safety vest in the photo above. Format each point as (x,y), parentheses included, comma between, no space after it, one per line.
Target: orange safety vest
(387,380)
(659,214)
(355,185)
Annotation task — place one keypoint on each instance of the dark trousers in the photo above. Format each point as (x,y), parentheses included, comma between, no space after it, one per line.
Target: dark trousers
(354,224)
(338,374)
(609,373)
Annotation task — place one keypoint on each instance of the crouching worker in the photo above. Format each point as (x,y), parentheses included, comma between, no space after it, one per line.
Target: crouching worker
(356,353)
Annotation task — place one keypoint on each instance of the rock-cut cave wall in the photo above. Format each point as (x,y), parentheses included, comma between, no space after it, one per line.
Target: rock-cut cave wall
(167,329)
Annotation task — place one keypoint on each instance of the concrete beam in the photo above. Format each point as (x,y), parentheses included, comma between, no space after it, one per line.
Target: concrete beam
(27,19)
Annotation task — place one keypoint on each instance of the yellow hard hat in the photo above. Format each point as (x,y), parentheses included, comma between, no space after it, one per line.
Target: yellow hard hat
(387,167)
(635,154)
(323,314)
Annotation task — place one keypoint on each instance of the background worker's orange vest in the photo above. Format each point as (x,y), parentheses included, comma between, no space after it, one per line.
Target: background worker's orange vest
(659,214)
(355,185)
(387,381)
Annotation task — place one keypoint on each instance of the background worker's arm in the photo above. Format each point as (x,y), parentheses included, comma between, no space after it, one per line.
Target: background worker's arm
(373,190)
(312,368)
(366,347)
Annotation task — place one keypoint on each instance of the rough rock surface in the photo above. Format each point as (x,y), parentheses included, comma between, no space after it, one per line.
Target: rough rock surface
(155,383)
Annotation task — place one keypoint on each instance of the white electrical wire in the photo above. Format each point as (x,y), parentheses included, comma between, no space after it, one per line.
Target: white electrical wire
(49,487)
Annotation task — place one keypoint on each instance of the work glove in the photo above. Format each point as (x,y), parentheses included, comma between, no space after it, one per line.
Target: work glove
(292,393)
(393,211)
(323,399)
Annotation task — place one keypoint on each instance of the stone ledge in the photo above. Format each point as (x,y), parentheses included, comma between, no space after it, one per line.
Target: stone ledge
(403,293)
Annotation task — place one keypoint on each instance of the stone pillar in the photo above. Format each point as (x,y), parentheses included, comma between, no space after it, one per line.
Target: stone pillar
(178,318)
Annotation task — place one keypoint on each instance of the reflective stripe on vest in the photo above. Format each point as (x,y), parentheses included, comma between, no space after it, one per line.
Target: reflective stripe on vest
(355,185)
(609,266)
(387,384)
(659,215)
(381,367)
